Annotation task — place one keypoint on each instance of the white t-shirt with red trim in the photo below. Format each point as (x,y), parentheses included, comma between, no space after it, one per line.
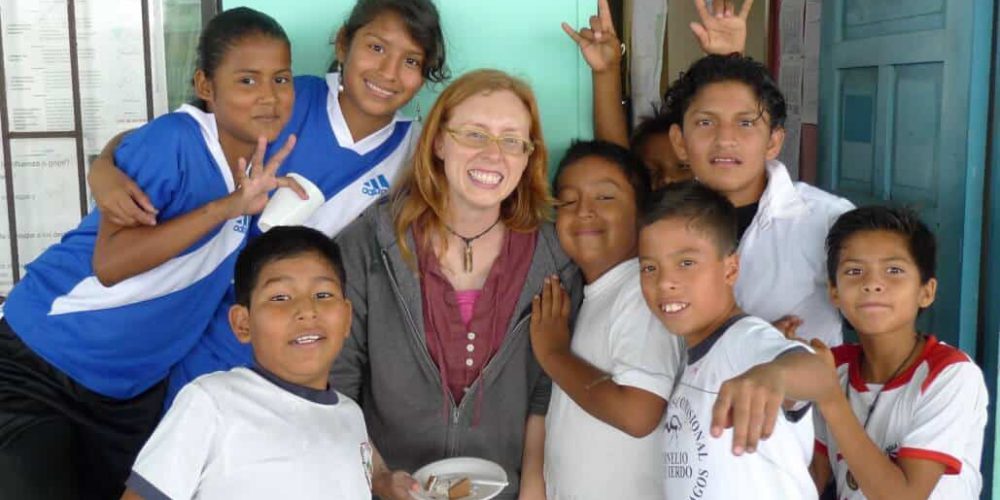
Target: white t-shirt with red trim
(935,410)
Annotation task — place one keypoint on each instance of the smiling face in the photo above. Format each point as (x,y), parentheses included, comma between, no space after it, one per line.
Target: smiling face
(250,91)
(878,287)
(479,180)
(297,320)
(727,139)
(596,215)
(686,281)
(382,71)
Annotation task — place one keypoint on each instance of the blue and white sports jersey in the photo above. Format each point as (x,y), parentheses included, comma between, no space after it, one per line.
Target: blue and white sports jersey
(351,174)
(121,340)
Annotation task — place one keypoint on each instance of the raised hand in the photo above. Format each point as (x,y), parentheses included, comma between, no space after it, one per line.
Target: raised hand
(253,187)
(599,44)
(550,321)
(722,31)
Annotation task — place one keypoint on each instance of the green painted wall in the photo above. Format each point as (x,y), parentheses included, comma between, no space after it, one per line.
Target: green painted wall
(522,37)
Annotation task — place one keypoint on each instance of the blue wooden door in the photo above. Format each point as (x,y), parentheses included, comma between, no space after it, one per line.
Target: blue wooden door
(904,101)
(903,111)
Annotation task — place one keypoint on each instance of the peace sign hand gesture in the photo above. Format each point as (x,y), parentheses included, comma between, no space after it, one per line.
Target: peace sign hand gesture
(253,187)
(599,43)
(722,32)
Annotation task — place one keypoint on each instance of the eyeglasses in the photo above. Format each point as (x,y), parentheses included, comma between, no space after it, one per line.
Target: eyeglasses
(479,139)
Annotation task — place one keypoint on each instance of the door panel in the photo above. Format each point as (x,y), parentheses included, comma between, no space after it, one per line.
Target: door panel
(898,81)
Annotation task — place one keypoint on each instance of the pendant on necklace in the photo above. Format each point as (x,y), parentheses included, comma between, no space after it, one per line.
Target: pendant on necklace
(467,260)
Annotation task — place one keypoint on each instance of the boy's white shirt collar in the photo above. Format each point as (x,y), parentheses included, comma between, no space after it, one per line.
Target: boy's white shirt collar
(612,278)
(780,199)
(210,132)
(339,125)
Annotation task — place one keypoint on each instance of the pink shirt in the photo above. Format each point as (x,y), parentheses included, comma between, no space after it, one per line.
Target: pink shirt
(466,300)
(462,344)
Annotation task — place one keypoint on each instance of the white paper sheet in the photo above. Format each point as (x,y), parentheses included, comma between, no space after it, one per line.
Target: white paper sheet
(790,22)
(112,69)
(37,65)
(46,193)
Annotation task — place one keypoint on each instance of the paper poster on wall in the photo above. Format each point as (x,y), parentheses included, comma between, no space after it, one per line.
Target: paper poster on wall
(6,276)
(37,65)
(46,193)
(112,70)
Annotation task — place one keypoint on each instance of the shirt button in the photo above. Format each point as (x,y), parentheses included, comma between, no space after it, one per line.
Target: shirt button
(470,348)
(471,336)
(469,362)
(465,389)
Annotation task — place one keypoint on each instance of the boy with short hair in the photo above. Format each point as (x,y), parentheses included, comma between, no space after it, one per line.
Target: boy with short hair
(729,116)
(688,265)
(277,430)
(612,379)
(908,417)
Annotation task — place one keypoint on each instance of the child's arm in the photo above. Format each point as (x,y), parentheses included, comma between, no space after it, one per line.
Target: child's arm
(750,402)
(117,196)
(721,32)
(122,252)
(632,410)
(532,460)
(877,475)
(820,471)
(601,48)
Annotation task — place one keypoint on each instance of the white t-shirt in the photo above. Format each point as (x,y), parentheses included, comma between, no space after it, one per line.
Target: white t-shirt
(249,435)
(783,256)
(936,410)
(615,331)
(702,467)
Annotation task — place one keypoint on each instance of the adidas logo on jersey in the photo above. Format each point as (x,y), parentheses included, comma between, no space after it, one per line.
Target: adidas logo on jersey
(376,186)
(242,224)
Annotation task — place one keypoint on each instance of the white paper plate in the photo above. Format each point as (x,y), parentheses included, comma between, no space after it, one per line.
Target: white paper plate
(488,479)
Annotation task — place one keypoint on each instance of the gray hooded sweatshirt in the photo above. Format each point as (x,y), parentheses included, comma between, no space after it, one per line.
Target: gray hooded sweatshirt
(386,368)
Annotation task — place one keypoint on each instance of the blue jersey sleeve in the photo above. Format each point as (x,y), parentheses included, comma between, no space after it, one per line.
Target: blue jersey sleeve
(151,156)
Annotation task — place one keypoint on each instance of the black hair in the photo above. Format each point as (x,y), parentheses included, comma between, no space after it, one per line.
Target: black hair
(702,207)
(920,241)
(282,242)
(649,126)
(730,68)
(630,165)
(423,24)
(229,27)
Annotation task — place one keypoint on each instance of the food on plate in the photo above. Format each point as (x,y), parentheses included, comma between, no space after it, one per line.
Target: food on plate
(448,488)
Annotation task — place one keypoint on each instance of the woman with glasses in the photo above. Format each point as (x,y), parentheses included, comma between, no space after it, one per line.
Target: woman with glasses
(442,279)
